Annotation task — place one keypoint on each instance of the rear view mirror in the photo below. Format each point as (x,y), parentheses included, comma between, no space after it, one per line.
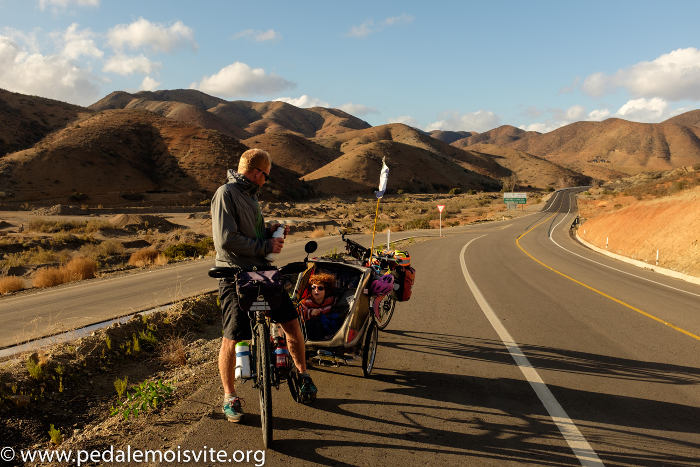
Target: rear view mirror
(310,247)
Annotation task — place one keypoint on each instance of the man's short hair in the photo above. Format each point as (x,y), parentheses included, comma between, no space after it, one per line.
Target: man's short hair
(254,159)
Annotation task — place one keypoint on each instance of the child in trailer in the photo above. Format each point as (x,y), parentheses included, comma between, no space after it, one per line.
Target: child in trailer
(321,321)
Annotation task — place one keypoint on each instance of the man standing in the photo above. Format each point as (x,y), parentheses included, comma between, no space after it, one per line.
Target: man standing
(242,240)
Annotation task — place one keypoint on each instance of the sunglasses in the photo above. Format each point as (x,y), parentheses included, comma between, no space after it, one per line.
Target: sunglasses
(265,174)
(320,288)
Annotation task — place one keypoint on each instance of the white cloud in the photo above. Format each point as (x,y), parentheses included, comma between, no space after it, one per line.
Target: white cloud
(575,113)
(358,109)
(561,117)
(644,110)
(598,114)
(672,76)
(539,127)
(149,84)
(303,101)
(258,36)
(79,43)
(239,79)
(405,119)
(53,76)
(125,65)
(370,26)
(144,34)
(479,121)
(43,4)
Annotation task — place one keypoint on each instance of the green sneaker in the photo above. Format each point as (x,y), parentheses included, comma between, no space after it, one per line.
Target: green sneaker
(307,390)
(232,410)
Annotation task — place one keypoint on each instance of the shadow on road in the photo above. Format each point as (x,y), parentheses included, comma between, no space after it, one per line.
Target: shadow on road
(547,358)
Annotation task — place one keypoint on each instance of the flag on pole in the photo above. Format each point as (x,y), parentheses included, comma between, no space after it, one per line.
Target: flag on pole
(383,177)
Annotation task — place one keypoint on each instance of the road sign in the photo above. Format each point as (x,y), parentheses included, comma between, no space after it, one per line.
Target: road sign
(441,207)
(515,198)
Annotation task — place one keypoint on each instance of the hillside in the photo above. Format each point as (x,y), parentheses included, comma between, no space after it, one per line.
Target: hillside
(608,149)
(532,171)
(129,152)
(25,120)
(406,149)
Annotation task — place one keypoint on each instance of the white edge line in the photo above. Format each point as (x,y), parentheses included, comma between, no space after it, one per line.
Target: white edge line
(576,441)
(619,257)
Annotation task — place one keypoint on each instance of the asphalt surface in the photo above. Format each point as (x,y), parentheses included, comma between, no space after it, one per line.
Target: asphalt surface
(518,346)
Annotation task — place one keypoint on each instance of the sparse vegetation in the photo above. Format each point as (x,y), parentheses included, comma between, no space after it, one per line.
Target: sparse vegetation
(120,386)
(147,257)
(146,396)
(9,284)
(56,436)
(78,268)
(173,352)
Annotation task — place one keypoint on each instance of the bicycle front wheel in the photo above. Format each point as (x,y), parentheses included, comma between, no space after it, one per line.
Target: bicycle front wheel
(262,350)
(384,312)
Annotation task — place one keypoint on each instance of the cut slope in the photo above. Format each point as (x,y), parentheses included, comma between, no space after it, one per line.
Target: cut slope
(670,225)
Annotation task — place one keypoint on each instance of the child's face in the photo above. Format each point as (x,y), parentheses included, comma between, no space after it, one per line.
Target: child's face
(318,293)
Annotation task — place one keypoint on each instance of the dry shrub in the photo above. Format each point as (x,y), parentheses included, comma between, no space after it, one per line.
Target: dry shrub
(110,248)
(48,277)
(11,284)
(173,353)
(161,260)
(318,233)
(79,268)
(143,257)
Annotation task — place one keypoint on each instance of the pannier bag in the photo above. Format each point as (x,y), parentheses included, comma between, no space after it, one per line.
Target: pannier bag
(250,284)
(405,277)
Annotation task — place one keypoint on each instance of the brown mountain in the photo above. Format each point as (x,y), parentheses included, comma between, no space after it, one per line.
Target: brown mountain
(612,147)
(120,99)
(450,137)
(25,120)
(262,117)
(240,119)
(118,152)
(296,153)
(417,162)
(532,171)
(503,135)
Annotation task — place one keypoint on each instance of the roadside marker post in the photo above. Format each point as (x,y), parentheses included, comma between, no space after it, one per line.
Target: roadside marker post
(440,208)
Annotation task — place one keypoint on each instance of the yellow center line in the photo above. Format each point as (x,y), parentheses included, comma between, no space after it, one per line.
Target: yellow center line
(616,300)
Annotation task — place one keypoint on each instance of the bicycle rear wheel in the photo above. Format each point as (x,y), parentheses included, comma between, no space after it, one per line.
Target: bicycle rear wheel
(369,348)
(262,358)
(385,312)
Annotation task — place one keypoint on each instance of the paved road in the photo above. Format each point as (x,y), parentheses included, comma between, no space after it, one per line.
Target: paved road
(519,346)
(30,316)
(498,359)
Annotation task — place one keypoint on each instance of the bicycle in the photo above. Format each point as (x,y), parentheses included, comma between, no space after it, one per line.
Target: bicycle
(264,372)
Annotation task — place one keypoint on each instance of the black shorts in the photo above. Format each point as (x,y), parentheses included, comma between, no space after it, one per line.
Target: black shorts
(236,322)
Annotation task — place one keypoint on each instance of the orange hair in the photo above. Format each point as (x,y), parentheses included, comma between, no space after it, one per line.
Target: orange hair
(327,280)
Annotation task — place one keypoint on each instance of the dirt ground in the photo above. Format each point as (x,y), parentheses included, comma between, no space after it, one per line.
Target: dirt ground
(49,237)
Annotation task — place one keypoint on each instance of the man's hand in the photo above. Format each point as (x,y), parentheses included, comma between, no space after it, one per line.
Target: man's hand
(276,244)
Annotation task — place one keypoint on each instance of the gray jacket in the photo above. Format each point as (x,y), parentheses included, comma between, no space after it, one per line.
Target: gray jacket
(240,237)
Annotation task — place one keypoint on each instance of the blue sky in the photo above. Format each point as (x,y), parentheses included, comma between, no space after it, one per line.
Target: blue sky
(451,65)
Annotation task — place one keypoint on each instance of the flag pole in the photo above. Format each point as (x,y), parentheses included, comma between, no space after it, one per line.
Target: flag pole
(383,176)
(374,228)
